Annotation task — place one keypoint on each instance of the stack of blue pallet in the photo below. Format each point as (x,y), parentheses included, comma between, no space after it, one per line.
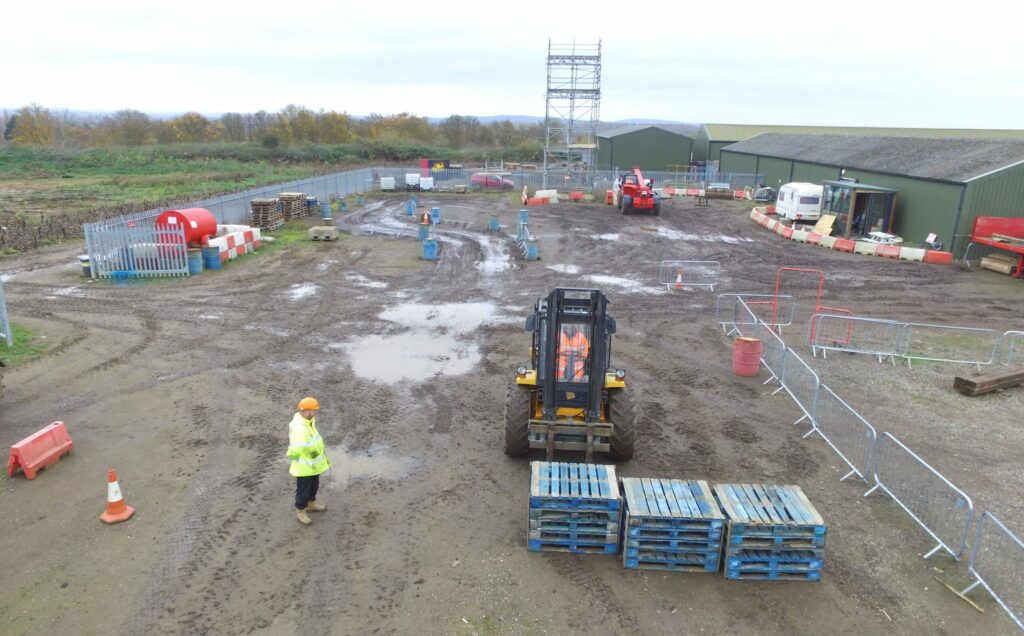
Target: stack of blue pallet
(574,508)
(672,525)
(773,533)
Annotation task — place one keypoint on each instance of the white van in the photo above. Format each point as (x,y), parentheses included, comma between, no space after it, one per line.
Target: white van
(799,201)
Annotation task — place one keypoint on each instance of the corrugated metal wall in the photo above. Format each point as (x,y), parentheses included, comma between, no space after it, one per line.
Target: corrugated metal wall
(776,171)
(700,144)
(999,194)
(649,148)
(814,173)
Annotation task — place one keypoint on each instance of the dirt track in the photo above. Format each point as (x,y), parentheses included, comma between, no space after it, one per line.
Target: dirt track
(186,386)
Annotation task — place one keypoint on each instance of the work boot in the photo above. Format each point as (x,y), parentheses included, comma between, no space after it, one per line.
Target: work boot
(303,517)
(315,507)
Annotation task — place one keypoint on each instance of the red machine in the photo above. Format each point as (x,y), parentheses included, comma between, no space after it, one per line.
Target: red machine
(636,194)
(1001,233)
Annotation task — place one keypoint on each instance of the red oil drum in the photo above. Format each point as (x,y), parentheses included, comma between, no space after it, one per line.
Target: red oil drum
(746,356)
(199,223)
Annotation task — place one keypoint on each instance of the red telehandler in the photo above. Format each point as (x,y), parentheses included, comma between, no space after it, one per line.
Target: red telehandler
(636,194)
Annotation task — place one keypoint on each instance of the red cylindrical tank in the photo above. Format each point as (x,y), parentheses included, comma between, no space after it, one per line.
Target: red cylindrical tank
(199,223)
(746,356)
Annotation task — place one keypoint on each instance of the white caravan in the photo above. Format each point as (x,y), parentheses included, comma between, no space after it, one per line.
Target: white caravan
(799,201)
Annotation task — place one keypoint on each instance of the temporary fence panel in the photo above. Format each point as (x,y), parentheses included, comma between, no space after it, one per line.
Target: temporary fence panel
(846,431)
(683,274)
(773,351)
(1010,345)
(139,251)
(942,343)
(801,383)
(762,306)
(997,564)
(5,321)
(732,313)
(832,332)
(939,507)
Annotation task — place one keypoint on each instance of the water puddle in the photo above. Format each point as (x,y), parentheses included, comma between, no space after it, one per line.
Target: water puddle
(496,258)
(432,346)
(566,269)
(605,237)
(629,285)
(676,235)
(362,281)
(375,463)
(298,292)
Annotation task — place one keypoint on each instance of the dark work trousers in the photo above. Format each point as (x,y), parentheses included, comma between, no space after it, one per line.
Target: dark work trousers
(305,490)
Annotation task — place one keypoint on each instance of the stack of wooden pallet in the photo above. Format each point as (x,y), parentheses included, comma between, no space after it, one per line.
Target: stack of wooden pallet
(574,508)
(293,205)
(672,525)
(773,533)
(265,214)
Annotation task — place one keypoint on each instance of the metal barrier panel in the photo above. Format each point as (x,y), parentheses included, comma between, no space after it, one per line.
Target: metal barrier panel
(1010,343)
(5,322)
(144,250)
(801,383)
(762,306)
(942,343)
(683,274)
(846,431)
(773,351)
(831,332)
(940,508)
(997,564)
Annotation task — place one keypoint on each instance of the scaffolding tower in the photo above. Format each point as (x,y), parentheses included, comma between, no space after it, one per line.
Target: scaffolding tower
(571,114)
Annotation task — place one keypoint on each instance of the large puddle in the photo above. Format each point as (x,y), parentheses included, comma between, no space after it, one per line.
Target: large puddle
(375,463)
(433,344)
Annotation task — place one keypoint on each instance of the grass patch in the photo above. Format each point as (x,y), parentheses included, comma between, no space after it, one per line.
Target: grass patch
(27,346)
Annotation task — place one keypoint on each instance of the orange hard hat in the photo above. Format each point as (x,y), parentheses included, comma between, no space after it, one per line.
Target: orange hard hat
(309,403)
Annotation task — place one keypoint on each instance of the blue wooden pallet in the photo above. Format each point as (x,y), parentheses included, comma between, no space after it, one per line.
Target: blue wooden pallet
(638,564)
(771,561)
(554,514)
(671,503)
(670,557)
(569,486)
(773,576)
(685,548)
(584,535)
(573,526)
(574,548)
(761,541)
(681,534)
(755,510)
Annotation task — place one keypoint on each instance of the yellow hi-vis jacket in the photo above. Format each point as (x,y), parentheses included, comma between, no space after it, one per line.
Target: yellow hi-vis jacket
(306,448)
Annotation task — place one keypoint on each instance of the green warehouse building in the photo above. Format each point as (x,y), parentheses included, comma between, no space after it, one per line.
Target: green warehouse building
(942,184)
(650,147)
(711,138)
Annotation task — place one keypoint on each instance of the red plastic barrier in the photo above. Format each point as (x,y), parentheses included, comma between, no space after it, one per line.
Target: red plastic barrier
(537,201)
(575,196)
(692,192)
(845,245)
(787,232)
(888,251)
(39,450)
(609,197)
(739,194)
(941,258)
(770,209)
(814,238)
(670,191)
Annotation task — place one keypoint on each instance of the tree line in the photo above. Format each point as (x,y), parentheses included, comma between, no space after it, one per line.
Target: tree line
(35,125)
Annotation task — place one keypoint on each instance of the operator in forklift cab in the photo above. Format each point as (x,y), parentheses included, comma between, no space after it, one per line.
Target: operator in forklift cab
(573,349)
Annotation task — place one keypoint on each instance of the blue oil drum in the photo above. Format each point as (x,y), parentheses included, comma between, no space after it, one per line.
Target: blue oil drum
(325,211)
(360,200)
(211,257)
(531,250)
(424,232)
(410,207)
(430,249)
(524,216)
(342,206)
(435,215)
(195,261)
(493,225)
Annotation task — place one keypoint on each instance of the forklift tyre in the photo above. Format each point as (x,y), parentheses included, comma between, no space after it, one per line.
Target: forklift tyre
(622,412)
(627,204)
(517,420)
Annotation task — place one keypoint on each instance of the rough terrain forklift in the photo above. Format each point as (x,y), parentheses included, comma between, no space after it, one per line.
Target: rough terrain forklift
(636,194)
(572,398)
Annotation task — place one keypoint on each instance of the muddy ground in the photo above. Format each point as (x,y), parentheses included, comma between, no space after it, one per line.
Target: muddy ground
(186,387)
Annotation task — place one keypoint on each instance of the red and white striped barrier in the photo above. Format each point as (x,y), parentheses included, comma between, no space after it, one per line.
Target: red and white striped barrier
(896,252)
(234,244)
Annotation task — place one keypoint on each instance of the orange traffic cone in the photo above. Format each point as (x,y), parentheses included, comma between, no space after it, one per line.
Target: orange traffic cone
(679,278)
(117,509)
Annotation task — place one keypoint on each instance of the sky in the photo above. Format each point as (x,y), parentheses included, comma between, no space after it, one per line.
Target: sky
(930,65)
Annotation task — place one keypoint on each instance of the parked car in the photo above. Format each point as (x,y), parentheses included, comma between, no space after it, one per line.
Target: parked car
(482,181)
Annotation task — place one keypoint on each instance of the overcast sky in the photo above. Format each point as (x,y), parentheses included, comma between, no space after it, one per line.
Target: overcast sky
(813,63)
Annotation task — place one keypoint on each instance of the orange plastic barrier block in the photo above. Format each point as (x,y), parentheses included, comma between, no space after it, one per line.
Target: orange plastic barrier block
(575,196)
(787,232)
(609,197)
(537,201)
(770,209)
(692,192)
(814,238)
(739,194)
(39,450)
(670,192)
(845,245)
(942,258)
(888,251)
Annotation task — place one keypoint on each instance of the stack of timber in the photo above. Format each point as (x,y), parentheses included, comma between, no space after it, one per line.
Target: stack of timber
(773,533)
(1002,263)
(982,384)
(672,525)
(265,214)
(292,204)
(574,508)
